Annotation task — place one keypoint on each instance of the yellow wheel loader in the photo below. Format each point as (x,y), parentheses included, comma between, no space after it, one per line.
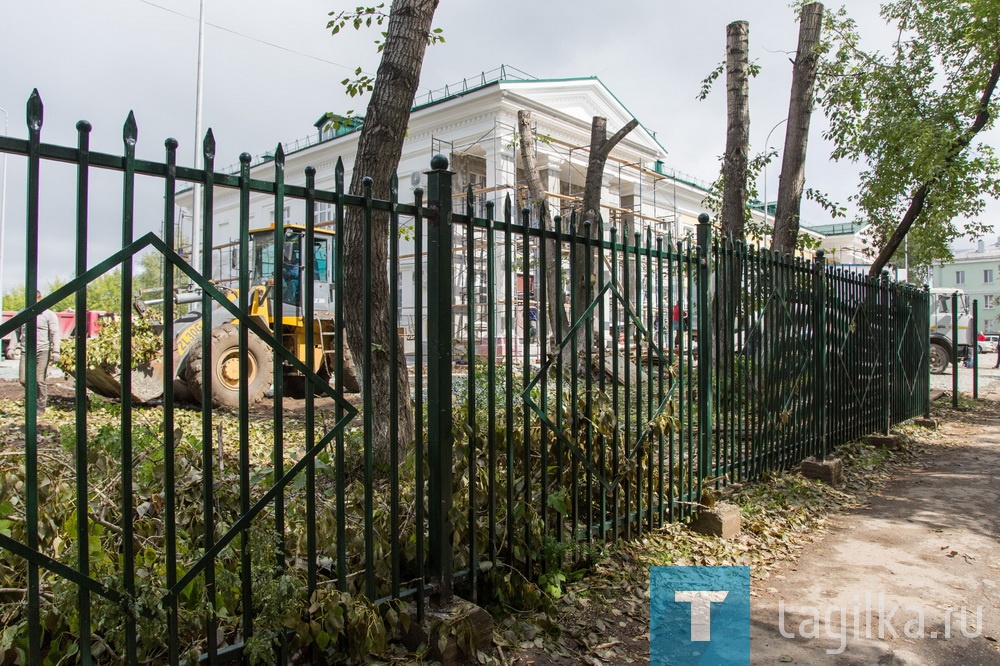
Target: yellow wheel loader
(224,355)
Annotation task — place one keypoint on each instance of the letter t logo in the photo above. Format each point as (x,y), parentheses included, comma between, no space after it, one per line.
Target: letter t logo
(701,610)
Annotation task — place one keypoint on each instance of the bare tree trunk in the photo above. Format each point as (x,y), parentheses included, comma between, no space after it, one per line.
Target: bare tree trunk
(734,193)
(919,197)
(600,147)
(554,295)
(734,165)
(800,104)
(379,147)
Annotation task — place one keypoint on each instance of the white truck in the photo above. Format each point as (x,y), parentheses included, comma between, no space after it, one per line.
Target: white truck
(944,349)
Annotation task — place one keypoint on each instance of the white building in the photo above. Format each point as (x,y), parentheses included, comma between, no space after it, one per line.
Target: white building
(474,124)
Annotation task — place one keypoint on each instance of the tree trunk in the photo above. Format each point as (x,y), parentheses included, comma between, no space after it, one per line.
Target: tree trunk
(919,197)
(379,147)
(734,192)
(734,166)
(800,104)
(600,147)
(554,299)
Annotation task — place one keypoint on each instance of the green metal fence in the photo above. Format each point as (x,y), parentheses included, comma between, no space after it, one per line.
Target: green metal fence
(572,383)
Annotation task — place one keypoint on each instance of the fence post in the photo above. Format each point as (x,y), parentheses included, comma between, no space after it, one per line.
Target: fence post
(954,350)
(439,395)
(975,349)
(886,300)
(819,359)
(704,287)
(926,343)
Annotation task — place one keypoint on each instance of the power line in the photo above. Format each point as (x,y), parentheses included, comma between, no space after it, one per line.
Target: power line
(245,36)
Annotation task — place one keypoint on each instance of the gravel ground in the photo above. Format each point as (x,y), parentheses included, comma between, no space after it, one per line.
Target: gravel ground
(989,378)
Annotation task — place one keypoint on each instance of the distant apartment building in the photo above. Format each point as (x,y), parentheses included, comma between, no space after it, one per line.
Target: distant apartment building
(977,273)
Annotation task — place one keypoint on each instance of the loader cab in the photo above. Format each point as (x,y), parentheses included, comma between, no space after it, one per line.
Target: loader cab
(289,286)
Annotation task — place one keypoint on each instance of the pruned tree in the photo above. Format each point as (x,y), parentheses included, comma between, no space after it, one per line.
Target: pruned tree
(735,161)
(537,200)
(735,173)
(800,106)
(380,145)
(914,118)
(600,149)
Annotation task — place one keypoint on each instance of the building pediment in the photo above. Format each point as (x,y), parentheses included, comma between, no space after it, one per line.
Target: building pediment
(580,100)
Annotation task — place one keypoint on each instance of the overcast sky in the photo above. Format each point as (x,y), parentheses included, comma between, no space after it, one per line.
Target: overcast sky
(272,68)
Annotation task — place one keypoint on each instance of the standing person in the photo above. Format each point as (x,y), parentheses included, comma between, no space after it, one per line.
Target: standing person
(47,325)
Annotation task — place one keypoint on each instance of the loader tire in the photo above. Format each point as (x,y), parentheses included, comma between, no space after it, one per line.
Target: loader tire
(224,368)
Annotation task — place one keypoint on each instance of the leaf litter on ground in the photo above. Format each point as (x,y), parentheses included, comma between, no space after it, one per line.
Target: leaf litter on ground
(603,617)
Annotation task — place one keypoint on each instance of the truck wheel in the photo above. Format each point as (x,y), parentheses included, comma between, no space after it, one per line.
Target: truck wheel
(225,368)
(939,359)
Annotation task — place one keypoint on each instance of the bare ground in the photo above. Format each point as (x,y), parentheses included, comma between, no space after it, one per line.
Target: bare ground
(927,544)
(928,539)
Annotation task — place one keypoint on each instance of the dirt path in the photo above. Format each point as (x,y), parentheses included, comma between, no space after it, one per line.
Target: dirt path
(929,542)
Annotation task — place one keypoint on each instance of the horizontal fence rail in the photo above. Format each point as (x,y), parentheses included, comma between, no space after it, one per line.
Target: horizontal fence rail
(561,383)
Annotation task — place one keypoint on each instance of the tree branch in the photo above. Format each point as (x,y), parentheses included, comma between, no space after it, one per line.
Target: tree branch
(919,198)
(610,144)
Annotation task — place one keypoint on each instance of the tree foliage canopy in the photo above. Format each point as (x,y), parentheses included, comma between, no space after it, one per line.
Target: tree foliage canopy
(913,117)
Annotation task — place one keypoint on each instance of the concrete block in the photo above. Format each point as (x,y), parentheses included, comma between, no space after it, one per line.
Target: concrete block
(461,627)
(932,424)
(829,471)
(722,520)
(885,441)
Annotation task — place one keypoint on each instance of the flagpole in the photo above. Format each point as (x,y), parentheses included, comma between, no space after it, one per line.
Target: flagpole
(196,201)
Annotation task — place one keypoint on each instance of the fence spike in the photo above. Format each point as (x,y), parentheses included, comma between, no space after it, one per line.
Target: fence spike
(130,133)
(35,110)
(208,145)
(279,154)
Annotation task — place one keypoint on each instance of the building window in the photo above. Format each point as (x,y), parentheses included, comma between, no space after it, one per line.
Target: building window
(988,276)
(286,218)
(959,277)
(324,212)
(988,302)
